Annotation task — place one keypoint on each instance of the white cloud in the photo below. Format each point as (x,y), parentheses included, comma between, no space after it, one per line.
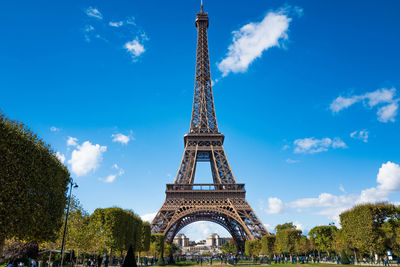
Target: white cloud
(311,145)
(292,161)
(134,48)
(361,135)
(299,226)
(275,205)
(61,157)
(72,141)
(331,206)
(121,138)
(251,40)
(343,102)
(388,112)
(148,217)
(385,113)
(116,24)
(54,129)
(94,13)
(86,158)
(110,178)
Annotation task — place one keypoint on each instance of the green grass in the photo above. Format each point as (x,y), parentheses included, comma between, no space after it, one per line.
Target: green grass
(217,263)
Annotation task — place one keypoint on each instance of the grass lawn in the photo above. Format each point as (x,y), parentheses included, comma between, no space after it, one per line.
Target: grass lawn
(218,264)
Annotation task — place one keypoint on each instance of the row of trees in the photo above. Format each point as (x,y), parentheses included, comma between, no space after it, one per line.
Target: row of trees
(111,230)
(368,230)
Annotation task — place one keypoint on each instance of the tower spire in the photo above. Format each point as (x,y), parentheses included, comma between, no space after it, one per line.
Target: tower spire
(201,7)
(203,115)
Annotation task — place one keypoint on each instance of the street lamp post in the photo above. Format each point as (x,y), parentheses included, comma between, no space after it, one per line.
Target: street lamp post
(73,185)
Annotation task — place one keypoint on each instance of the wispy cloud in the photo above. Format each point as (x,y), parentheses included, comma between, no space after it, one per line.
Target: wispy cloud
(251,40)
(111,178)
(54,129)
(72,141)
(385,97)
(312,145)
(360,135)
(330,205)
(121,138)
(292,161)
(94,13)
(116,24)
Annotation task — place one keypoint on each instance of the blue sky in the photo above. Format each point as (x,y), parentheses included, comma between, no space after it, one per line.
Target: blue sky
(306,93)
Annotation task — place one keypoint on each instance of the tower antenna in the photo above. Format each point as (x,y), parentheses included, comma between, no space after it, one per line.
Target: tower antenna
(201,7)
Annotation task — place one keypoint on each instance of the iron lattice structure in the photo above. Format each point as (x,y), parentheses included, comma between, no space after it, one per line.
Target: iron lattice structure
(222,202)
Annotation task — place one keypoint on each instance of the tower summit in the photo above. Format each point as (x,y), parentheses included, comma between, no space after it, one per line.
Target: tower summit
(223,201)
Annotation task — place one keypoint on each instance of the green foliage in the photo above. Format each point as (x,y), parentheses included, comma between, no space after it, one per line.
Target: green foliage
(344,259)
(285,226)
(268,245)
(363,227)
(158,240)
(247,248)
(323,237)
(33,185)
(286,241)
(303,246)
(116,229)
(146,236)
(229,247)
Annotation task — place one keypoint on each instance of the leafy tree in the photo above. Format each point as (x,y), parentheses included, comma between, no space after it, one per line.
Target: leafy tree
(33,185)
(285,226)
(286,240)
(362,226)
(158,240)
(323,238)
(247,249)
(255,248)
(116,229)
(146,236)
(303,245)
(17,250)
(229,247)
(268,245)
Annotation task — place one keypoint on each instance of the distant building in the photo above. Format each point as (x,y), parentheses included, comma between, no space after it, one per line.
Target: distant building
(215,241)
(211,245)
(181,241)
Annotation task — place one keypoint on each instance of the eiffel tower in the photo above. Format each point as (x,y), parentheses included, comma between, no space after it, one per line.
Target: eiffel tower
(222,202)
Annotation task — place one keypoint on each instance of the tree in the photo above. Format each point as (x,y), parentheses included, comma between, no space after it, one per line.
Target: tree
(247,248)
(146,236)
(268,245)
(303,245)
(229,247)
(286,240)
(117,229)
(33,185)
(158,240)
(285,226)
(362,226)
(323,238)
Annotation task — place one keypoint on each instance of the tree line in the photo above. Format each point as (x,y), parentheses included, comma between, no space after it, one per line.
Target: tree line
(367,231)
